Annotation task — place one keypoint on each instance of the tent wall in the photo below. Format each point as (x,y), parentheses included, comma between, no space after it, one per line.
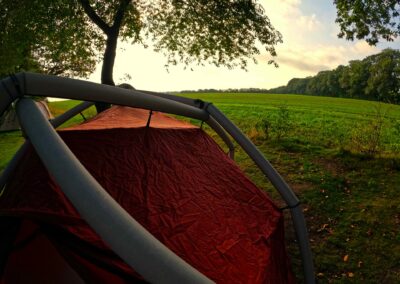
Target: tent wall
(9,227)
(9,119)
(35,260)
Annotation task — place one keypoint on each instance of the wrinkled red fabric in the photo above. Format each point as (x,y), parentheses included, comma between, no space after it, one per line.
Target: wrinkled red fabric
(176,182)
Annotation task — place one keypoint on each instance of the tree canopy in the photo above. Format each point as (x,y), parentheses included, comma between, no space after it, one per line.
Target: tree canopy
(45,36)
(57,35)
(371,20)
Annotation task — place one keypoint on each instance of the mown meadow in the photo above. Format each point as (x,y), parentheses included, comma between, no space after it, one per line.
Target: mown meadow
(342,158)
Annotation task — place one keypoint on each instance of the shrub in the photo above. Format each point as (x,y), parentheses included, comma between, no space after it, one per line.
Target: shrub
(279,124)
(254,133)
(283,122)
(366,137)
(265,126)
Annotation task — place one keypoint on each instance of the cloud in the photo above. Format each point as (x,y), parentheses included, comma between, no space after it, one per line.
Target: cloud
(362,47)
(309,61)
(308,23)
(292,2)
(310,43)
(302,64)
(319,57)
(289,19)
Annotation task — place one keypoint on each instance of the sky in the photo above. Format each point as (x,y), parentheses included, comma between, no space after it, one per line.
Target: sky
(310,44)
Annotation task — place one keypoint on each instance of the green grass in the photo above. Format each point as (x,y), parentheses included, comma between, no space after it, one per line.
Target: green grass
(350,196)
(9,144)
(317,105)
(59,107)
(317,121)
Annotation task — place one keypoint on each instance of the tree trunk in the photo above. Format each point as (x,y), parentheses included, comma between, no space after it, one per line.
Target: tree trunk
(109,59)
(108,66)
(112,33)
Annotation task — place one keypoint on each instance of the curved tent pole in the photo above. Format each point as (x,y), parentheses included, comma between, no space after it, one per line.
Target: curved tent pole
(41,85)
(9,92)
(186,101)
(12,165)
(278,182)
(221,132)
(134,244)
(56,122)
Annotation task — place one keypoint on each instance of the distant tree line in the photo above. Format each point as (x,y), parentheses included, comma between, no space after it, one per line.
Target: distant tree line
(230,90)
(376,77)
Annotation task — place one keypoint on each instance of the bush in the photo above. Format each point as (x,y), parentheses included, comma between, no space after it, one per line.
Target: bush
(366,137)
(396,126)
(279,123)
(265,126)
(254,133)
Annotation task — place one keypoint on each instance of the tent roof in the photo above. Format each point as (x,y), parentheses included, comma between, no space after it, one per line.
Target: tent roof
(127,117)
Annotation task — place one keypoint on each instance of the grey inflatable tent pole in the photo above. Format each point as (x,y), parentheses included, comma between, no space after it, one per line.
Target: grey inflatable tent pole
(221,132)
(278,182)
(12,165)
(57,121)
(134,244)
(8,93)
(52,86)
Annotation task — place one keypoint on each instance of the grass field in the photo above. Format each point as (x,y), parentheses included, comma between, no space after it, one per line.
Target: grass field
(341,156)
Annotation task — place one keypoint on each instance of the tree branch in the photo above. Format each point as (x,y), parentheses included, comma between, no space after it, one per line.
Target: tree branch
(94,17)
(119,16)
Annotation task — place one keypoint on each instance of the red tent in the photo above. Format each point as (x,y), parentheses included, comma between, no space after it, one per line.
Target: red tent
(172,178)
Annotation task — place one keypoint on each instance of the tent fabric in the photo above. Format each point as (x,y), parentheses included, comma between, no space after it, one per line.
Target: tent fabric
(9,120)
(125,117)
(175,181)
(35,260)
